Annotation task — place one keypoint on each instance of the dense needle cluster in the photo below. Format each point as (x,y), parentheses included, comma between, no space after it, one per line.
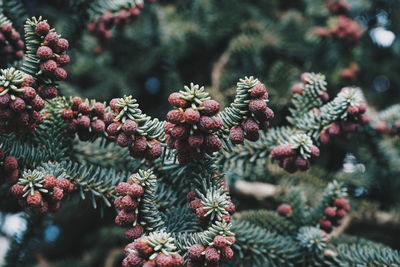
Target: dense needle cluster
(41,193)
(192,124)
(292,157)
(260,115)
(155,250)
(11,45)
(356,117)
(20,105)
(126,133)
(215,205)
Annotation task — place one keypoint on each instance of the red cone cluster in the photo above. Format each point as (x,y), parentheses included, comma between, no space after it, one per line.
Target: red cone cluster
(291,160)
(125,135)
(20,111)
(337,7)
(219,251)
(334,213)
(41,202)
(8,168)
(101,27)
(259,119)
(139,252)
(52,53)
(284,210)
(343,28)
(190,129)
(11,45)
(356,117)
(127,203)
(85,119)
(383,127)
(196,206)
(347,30)
(298,87)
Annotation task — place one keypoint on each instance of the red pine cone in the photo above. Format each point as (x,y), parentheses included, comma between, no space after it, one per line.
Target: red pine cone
(128,204)
(64,184)
(257,106)
(258,90)
(210,107)
(49,182)
(163,260)
(134,232)
(196,140)
(48,66)
(60,74)
(236,135)
(129,127)
(124,218)
(195,252)
(284,210)
(17,190)
(51,39)
(192,116)
(220,241)
(325,225)
(134,260)
(330,212)
(142,246)
(340,213)
(10,164)
(154,151)
(35,199)
(212,255)
(18,104)
(63,60)
(250,126)
(42,28)
(44,53)
(57,194)
(136,190)
(175,100)
(282,151)
(226,253)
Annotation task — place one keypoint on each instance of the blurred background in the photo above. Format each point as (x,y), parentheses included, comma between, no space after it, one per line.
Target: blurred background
(212,43)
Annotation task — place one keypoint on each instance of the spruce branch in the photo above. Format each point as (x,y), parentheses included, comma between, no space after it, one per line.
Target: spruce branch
(333,191)
(308,96)
(127,108)
(359,255)
(260,247)
(31,62)
(299,138)
(268,220)
(97,182)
